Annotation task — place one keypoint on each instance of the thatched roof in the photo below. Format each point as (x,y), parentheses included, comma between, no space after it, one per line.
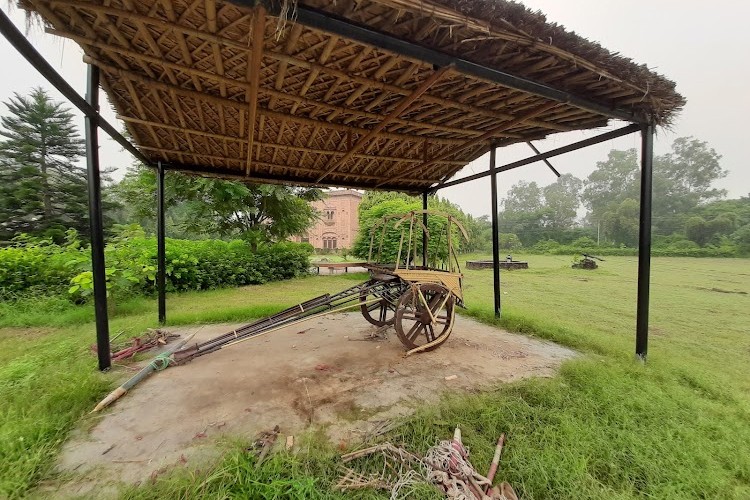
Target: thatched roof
(225,88)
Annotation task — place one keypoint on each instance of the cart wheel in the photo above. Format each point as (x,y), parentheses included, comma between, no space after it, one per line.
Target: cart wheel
(383,311)
(416,325)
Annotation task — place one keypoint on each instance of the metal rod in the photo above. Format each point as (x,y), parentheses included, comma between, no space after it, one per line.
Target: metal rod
(24,47)
(343,27)
(161,255)
(98,269)
(495,235)
(628,129)
(644,242)
(545,160)
(424,230)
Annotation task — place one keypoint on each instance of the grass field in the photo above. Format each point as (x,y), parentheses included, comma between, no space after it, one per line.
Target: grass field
(606,427)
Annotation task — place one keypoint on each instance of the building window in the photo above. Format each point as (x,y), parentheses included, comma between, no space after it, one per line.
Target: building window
(329,214)
(329,242)
(305,239)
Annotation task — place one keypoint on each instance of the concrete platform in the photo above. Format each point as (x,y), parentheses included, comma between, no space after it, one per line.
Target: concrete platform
(317,373)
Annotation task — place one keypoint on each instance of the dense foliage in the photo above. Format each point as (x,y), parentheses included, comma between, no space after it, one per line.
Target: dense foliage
(41,267)
(377,205)
(43,188)
(199,207)
(689,217)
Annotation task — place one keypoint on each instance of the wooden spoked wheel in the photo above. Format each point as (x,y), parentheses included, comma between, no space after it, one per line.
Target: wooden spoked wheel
(379,301)
(425,316)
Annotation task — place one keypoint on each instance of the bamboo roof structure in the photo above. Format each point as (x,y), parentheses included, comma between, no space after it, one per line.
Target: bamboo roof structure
(249,89)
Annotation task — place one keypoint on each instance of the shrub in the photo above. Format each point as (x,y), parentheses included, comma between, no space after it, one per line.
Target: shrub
(509,241)
(584,242)
(43,268)
(546,246)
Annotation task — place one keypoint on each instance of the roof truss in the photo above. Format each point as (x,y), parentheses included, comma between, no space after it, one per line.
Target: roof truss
(366,94)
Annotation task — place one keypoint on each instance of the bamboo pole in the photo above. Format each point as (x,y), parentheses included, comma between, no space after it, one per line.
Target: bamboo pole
(254,64)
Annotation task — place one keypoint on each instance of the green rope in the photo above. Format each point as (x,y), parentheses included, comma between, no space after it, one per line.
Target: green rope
(161,362)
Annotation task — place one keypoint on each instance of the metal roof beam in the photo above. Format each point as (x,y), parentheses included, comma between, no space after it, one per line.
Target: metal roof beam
(628,129)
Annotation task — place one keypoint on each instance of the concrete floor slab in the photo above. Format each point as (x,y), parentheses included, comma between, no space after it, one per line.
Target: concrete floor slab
(315,373)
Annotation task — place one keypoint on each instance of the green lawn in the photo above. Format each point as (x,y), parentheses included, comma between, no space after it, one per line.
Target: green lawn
(606,427)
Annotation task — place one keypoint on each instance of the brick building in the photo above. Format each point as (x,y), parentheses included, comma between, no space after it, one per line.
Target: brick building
(338,224)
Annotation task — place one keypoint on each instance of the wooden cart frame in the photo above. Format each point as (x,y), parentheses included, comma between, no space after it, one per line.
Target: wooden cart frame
(418,300)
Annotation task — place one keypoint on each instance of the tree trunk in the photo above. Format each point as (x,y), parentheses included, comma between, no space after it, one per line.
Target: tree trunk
(46,196)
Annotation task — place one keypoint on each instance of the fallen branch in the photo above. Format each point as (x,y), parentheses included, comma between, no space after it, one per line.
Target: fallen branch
(265,443)
(445,465)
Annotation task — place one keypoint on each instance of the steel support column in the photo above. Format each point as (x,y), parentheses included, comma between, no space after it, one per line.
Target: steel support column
(161,277)
(424,231)
(95,222)
(644,242)
(495,235)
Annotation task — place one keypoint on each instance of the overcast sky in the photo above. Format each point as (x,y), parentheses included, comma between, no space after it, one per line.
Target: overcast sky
(703,47)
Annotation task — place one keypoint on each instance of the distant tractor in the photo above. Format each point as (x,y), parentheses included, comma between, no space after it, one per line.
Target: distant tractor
(586,261)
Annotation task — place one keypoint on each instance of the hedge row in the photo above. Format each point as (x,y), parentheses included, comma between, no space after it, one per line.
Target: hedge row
(48,269)
(554,248)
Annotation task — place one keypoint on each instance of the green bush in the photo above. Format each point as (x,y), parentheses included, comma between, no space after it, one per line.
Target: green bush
(38,266)
(678,249)
(509,241)
(372,217)
(43,268)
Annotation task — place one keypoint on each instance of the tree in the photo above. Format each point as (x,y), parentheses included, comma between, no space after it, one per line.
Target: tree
(43,188)
(703,231)
(480,233)
(697,230)
(621,222)
(523,197)
(742,238)
(523,212)
(199,206)
(682,182)
(533,213)
(562,199)
(375,205)
(611,182)
(693,167)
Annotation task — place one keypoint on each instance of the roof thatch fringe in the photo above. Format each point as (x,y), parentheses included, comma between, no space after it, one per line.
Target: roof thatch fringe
(515,17)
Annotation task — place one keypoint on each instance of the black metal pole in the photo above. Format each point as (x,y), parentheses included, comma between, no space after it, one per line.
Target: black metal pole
(161,277)
(613,134)
(424,232)
(95,222)
(495,235)
(546,161)
(644,242)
